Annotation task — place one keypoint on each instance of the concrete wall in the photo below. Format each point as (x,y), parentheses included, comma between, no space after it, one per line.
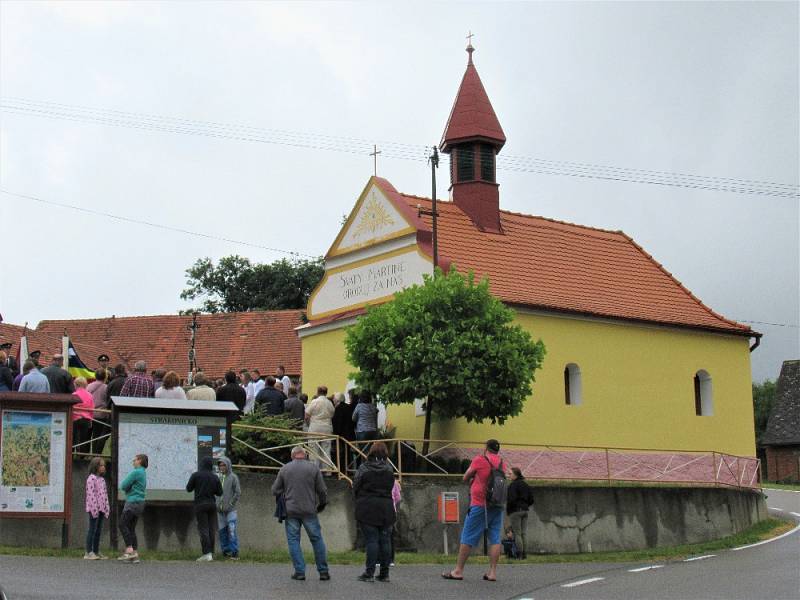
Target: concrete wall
(563,520)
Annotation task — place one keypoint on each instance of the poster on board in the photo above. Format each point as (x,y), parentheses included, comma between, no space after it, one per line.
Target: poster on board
(174,444)
(33,446)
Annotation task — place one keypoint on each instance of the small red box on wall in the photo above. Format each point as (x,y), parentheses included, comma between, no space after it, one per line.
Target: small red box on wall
(447,505)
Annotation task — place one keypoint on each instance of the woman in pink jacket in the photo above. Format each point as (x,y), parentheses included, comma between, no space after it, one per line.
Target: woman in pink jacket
(82,416)
(96,506)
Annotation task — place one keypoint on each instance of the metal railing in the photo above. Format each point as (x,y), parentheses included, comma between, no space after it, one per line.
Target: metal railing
(339,457)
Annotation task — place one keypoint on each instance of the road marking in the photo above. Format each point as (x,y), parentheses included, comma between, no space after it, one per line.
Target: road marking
(795,514)
(648,568)
(582,582)
(795,530)
(699,557)
(780,490)
(776,508)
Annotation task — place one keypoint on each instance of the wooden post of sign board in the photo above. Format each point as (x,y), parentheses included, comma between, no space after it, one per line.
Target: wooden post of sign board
(113,518)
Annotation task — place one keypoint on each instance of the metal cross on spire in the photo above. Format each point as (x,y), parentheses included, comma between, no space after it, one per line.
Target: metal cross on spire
(470,48)
(469,38)
(374,155)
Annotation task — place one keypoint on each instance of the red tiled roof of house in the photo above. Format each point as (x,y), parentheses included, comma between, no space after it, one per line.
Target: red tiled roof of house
(551,265)
(49,343)
(258,339)
(472,115)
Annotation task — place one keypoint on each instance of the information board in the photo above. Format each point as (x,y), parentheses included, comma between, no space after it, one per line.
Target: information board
(32,461)
(174,445)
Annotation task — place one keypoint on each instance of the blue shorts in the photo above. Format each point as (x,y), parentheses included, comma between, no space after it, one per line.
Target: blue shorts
(476,522)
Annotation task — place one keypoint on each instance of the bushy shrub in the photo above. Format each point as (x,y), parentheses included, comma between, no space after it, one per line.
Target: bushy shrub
(241,454)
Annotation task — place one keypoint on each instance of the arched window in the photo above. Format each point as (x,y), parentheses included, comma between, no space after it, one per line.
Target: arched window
(573,390)
(703,394)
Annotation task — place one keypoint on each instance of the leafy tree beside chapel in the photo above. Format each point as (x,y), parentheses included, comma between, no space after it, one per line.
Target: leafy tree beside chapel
(450,342)
(236,284)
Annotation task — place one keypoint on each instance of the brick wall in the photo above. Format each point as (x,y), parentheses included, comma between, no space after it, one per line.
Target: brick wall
(783,463)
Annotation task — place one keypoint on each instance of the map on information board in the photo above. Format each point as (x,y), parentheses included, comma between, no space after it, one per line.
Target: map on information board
(174,445)
(32,465)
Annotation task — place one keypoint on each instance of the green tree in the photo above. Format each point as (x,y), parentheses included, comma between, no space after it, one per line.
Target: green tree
(763,400)
(448,341)
(236,284)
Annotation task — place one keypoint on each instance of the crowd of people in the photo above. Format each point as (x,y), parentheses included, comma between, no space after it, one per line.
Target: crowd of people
(299,488)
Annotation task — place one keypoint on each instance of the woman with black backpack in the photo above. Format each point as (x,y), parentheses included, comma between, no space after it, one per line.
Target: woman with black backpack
(520,499)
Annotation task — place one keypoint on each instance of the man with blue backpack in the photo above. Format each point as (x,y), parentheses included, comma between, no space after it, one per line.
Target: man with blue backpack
(487,498)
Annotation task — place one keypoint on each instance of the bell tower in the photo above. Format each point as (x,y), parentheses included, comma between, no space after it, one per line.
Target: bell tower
(473,137)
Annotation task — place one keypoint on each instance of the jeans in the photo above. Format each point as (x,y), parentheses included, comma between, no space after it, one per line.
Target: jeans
(206,526)
(378,541)
(312,527)
(127,522)
(519,523)
(94,532)
(228,539)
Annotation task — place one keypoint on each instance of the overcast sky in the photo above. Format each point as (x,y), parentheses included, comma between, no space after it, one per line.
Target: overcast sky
(700,88)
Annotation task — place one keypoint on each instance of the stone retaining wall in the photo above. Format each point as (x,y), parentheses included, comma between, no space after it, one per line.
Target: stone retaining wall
(571,519)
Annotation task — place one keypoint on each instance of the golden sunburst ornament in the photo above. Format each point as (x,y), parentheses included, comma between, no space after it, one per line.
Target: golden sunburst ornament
(374,217)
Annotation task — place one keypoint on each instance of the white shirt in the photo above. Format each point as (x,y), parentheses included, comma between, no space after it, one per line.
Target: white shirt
(258,386)
(286,383)
(250,397)
(320,410)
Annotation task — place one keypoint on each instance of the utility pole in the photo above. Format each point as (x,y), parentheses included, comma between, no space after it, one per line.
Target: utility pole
(433,213)
(192,356)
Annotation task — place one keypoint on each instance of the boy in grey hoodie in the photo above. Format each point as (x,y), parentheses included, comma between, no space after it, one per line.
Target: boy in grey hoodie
(226,509)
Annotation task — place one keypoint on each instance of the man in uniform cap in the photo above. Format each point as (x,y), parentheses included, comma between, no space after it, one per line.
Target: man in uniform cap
(10,361)
(103,361)
(34,356)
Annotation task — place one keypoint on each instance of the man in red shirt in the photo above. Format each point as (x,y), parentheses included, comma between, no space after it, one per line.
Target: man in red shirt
(480,517)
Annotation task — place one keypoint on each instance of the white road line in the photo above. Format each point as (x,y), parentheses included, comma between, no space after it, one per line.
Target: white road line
(795,514)
(699,557)
(648,568)
(776,508)
(582,582)
(780,490)
(795,530)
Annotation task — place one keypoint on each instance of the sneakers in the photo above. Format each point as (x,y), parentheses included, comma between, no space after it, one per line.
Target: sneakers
(383,578)
(101,556)
(324,576)
(233,557)
(299,576)
(366,577)
(129,556)
(206,558)
(90,556)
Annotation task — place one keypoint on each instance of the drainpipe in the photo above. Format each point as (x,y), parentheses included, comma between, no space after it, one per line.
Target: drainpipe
(757,343)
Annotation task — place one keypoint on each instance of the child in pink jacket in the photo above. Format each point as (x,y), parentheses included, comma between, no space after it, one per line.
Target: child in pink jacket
(96,506)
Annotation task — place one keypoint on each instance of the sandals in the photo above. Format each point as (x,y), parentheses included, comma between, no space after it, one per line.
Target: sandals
(449,575)
(487,578)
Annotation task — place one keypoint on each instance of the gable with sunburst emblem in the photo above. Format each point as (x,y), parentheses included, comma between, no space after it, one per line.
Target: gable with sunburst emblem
(374,219)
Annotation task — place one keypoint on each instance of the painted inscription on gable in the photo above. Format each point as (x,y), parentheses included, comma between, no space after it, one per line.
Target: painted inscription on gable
(358,286)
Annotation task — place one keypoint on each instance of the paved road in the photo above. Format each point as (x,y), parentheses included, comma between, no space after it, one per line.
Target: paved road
(768,571)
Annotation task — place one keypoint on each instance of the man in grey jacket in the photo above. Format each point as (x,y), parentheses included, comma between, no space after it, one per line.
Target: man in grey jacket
(227,518)
(300,482)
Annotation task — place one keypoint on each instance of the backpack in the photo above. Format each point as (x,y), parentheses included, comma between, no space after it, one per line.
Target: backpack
(496,485)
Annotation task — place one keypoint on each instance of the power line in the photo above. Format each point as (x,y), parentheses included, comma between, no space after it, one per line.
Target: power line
(772,324)
(352,145)
(156,225)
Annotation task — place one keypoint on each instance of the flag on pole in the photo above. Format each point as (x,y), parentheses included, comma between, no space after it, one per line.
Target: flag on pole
(22,351)
(75,365)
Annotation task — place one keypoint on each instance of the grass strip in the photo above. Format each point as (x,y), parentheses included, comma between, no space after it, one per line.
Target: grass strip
(761,531)
(794,487)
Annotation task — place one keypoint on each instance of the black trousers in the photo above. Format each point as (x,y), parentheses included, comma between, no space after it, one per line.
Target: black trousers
(82,432)
(127,523)
(206,526)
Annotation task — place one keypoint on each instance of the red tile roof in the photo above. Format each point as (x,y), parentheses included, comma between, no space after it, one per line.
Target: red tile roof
(49,343)
(472,115)
(551,265)
(258,339)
